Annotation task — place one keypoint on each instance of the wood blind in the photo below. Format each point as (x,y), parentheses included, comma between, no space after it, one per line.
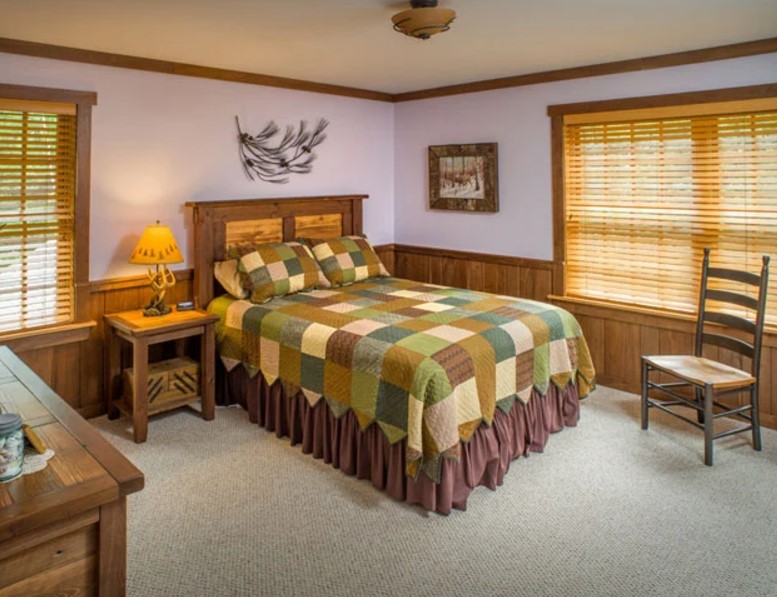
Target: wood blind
(644,197)
(37,198)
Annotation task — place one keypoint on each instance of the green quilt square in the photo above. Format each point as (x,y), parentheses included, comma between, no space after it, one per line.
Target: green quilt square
(424,344)
(391,406)
(501,342)
(391,334)
(312,373)
(368,356)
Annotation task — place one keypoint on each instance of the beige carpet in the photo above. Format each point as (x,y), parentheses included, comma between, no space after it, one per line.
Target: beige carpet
(608,509)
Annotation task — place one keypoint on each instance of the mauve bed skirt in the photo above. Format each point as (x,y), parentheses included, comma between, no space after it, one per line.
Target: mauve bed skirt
(484,460)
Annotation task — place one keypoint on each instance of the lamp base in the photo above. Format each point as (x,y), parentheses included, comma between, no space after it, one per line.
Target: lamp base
(156,310)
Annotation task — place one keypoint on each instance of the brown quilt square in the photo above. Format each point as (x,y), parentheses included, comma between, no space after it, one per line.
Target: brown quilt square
(457,363)
(340,347)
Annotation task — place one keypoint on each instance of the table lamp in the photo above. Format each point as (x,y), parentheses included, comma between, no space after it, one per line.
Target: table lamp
(157,247)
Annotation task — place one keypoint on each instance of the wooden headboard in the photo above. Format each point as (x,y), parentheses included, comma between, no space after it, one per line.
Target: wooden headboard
(220,225)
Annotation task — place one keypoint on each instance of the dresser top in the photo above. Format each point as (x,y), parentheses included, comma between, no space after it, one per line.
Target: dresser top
(86,471)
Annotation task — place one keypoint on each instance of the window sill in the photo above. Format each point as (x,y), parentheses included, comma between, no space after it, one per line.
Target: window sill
(47,337)
(670,320)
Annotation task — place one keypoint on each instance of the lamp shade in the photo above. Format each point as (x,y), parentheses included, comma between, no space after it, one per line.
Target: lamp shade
(156,246)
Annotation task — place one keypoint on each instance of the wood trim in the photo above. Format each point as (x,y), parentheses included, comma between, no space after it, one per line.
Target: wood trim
(55,52)
(654,318)
(47,94)
(739,50)
(48,337)
(82,210)
(40,50)
(110,284)
(559,208)
(468,255)
(84,100)
(749,92)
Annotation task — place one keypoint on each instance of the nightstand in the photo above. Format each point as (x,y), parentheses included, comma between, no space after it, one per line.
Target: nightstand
(141,332)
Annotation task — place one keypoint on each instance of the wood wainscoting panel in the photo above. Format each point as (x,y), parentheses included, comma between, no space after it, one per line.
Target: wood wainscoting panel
(500,274)
(617,337)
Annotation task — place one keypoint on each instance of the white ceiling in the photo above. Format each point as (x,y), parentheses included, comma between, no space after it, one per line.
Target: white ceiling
(351,42)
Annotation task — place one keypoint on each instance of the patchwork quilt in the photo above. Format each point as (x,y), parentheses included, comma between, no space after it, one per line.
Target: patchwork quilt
(424,362)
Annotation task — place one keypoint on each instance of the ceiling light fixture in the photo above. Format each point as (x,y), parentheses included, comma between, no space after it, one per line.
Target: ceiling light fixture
(424,19)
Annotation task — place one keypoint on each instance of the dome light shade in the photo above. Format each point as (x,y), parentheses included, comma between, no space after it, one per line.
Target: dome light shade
(424,19)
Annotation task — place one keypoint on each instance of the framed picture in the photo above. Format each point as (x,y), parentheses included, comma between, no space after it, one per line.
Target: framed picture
(463,177)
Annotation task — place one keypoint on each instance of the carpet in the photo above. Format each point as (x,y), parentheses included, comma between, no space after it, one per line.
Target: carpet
(230,510)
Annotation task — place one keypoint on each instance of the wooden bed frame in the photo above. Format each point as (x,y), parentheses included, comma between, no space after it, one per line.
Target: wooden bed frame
(221,225)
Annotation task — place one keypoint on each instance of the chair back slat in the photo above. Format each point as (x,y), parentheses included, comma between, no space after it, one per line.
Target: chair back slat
(725,296)
(754,328)
(734,275)
(732,321)
(729,343)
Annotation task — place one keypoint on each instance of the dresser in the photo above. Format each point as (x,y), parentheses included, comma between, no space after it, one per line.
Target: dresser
(63,530)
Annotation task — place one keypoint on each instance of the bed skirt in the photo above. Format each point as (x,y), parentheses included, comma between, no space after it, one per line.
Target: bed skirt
(484,460)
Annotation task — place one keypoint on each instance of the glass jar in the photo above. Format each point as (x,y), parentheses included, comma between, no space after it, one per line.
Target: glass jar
(11,446)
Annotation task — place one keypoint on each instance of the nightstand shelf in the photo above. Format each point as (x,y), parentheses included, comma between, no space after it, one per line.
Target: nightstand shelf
(141,332)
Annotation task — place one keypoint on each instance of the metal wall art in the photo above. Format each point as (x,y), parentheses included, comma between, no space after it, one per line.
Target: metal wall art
(293,155)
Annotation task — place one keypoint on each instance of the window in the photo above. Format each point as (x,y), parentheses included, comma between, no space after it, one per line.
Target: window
(43,261)
(645,190)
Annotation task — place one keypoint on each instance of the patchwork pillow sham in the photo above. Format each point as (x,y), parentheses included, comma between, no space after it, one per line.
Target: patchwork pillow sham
(347,259)
(279,269)
(228,276)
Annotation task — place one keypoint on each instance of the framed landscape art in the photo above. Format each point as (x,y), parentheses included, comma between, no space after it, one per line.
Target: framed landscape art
(463,177)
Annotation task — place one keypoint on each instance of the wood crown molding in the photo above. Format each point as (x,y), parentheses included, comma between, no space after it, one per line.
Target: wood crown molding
(168,67)
(739,50)
(41,50)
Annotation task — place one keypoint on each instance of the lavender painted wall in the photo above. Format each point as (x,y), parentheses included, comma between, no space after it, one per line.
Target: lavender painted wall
(160,140)
(517,120)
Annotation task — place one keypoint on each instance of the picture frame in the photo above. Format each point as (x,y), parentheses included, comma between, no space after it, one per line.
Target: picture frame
(464,177)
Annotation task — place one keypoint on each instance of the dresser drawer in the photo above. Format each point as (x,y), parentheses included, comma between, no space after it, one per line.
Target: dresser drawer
(69,557)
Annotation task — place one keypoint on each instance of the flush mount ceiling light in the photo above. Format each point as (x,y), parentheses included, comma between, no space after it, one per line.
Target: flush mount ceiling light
(424,19)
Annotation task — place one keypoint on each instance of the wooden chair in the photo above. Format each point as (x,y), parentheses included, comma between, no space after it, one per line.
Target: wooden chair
(711,379)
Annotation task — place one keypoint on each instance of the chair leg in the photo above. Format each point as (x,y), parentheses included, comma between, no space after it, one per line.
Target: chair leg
(756,417)
(708,395)
(645,372)
(700,402)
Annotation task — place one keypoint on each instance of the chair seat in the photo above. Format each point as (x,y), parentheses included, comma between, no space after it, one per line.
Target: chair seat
(701,371)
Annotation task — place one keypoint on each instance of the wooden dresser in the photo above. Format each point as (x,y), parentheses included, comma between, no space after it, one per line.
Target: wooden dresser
(63,530)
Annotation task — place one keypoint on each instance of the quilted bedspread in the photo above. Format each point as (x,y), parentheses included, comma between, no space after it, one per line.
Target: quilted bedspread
(424,362)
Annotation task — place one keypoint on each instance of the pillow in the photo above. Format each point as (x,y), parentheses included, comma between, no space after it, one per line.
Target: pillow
(278,269)
(347,259)
(229,278)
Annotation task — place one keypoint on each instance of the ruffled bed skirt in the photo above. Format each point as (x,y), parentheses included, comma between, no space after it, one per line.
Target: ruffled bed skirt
(484,460)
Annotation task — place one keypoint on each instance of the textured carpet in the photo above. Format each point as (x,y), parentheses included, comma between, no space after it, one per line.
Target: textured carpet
(608,509)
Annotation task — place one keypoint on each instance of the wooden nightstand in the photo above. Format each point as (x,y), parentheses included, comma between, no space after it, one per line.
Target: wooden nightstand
(141,332)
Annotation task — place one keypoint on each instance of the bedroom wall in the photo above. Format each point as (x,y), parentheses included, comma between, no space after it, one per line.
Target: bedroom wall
(516,119)
(160,140)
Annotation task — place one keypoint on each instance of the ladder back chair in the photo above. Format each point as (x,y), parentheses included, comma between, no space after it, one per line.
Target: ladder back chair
(710,379)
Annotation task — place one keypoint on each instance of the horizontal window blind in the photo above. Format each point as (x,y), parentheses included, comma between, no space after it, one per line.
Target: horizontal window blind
(643,198)
(37,198)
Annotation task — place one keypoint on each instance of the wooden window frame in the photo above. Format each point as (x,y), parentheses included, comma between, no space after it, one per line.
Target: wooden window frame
(83,100)
(557,114)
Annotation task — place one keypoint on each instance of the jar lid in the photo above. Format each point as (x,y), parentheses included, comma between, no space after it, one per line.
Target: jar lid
(9,422)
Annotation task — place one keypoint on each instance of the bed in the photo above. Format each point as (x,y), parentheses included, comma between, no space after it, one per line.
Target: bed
(424,390)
